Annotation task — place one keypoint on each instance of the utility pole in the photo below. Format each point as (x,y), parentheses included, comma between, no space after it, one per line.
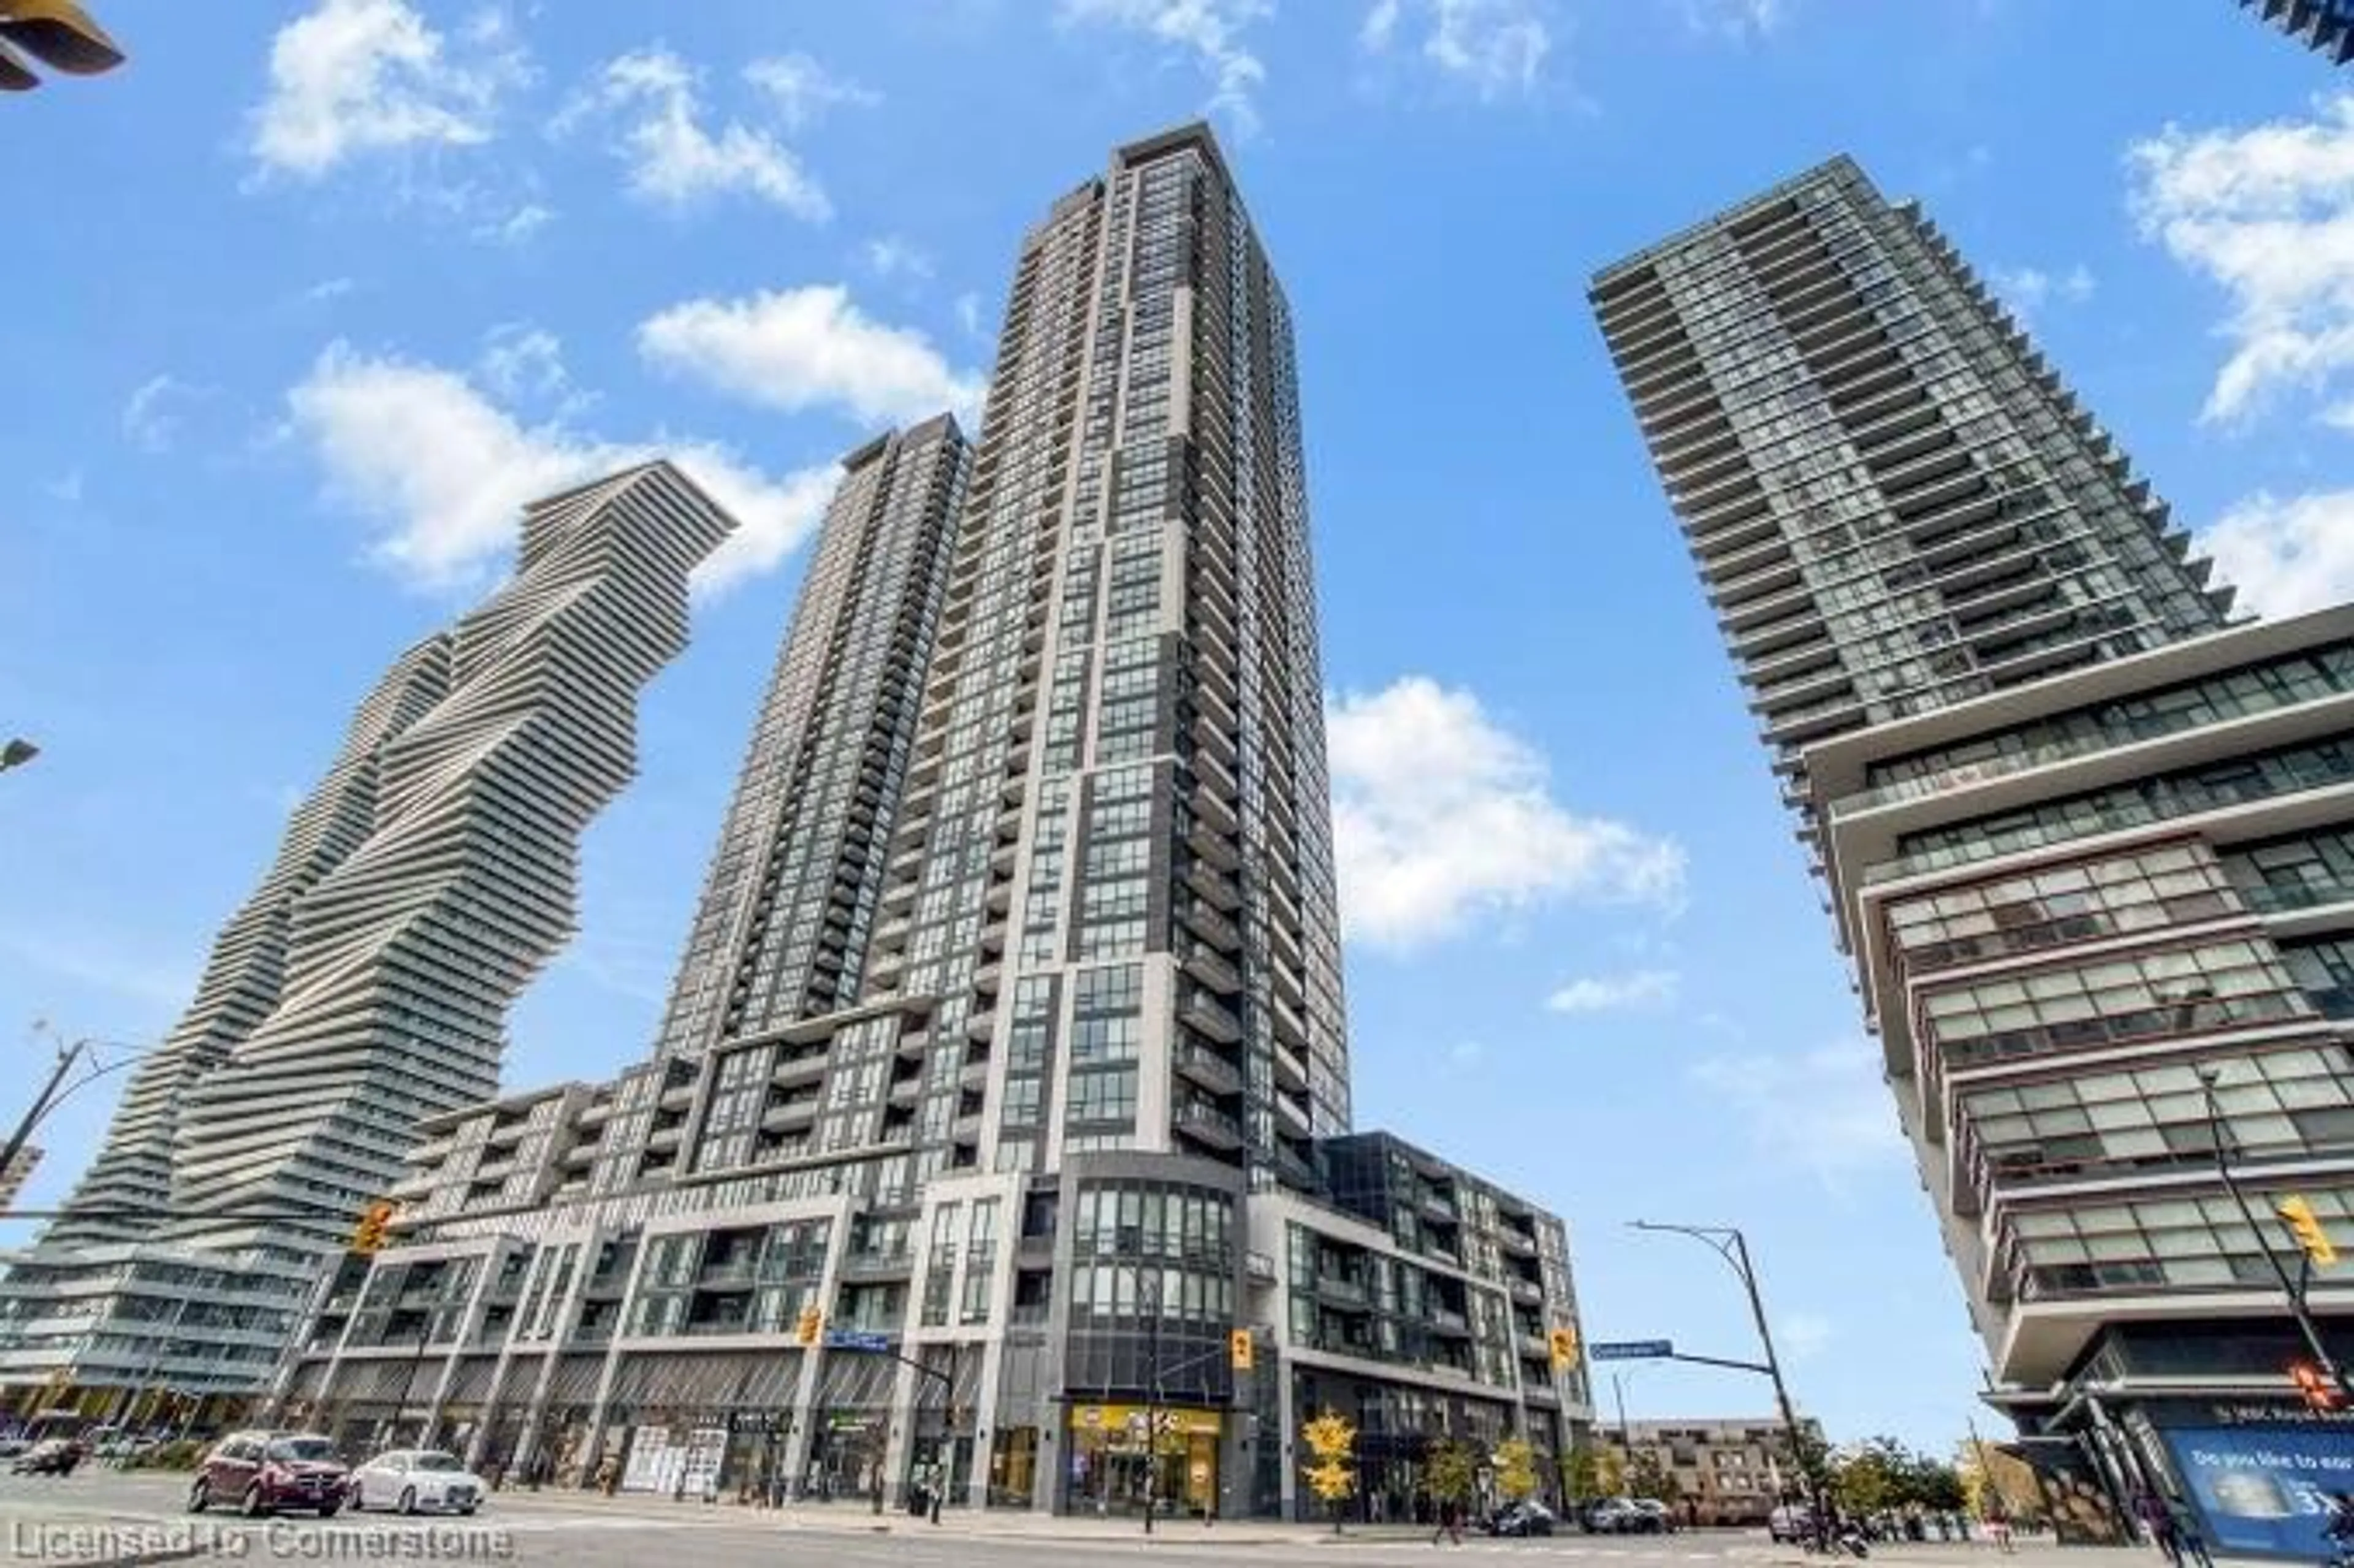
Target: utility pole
(1729,1244)
(1625,1432)
(2293,1288)
(68,1055)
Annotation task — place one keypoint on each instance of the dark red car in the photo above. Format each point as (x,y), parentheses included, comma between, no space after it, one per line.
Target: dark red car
(262,1472)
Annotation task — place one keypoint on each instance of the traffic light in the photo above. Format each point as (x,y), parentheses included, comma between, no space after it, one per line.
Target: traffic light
(2305,1226)
(57,33)
(811,1325)
(368,1235)
(2313,1386)
(1564,1345)
(1240,1349)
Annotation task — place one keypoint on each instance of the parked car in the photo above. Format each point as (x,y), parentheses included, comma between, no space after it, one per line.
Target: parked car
(1790,1523)
(1609,1516)
(1527,1517)
(262,1472)
(1658,1519)
(406,1480)
(49,1457)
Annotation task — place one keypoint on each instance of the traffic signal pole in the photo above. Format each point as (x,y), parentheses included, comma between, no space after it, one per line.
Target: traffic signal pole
(2292,1288)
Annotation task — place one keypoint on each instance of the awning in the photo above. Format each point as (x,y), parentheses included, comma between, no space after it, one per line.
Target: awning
(853,1379)
(575,1382)
(472,1383)
(962,1362)
(366,1381)
(708,1380)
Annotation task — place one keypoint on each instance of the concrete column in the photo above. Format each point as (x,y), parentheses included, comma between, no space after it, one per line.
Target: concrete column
(646,1239)
(469,1322)
(805,1391)
(567,1323)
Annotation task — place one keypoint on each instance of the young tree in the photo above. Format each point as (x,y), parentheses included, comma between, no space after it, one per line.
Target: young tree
(1516,1468)
(1334,1442)
(1581,1473)
(1648,1478)
(1613,1473)
(1449,1472)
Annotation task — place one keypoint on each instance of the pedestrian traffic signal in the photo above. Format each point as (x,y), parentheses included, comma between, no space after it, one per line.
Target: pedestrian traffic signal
(368,1235)
(1564,1345)
(811,1325)
(1240,1348)
(2313,1385)
(2305,1226)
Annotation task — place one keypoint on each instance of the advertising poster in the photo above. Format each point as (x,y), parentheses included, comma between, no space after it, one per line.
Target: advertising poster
(2264,1489)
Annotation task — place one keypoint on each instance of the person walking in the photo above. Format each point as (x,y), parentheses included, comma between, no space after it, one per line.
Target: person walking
(2189,1539)
(2151,1510)
(1450,1522)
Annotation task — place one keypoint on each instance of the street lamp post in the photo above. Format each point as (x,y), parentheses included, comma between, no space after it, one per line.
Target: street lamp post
(69,1052)
(2293,1288)
(1729,1244)
(1625,1432)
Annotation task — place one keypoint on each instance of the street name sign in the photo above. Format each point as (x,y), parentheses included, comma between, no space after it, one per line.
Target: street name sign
(1631,1351)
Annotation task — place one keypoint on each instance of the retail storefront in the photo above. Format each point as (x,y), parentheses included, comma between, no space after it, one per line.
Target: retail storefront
(1115,1465)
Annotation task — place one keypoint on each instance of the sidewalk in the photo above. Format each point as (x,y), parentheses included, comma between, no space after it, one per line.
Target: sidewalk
(859,1518)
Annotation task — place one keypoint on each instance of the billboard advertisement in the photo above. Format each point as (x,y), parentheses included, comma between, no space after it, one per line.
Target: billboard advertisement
(2263,1490)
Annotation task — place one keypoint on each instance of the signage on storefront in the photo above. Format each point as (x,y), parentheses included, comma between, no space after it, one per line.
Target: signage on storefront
(2263,1489)
(774,1423)
(1174,1419)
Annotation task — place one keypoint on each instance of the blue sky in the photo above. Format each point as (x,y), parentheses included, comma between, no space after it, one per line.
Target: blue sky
(309,297)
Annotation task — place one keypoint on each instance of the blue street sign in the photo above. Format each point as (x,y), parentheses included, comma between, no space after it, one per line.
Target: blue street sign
(1631,1351)
(855,1339)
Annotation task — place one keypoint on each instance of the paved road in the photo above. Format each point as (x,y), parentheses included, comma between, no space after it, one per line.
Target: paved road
(88,1518)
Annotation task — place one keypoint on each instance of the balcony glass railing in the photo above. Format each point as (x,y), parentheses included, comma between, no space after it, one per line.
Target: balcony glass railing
(2284,898)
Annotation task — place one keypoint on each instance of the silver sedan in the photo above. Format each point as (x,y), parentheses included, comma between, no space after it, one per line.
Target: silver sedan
(408,1479)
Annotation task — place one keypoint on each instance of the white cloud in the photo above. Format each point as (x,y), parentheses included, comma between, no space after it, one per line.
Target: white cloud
(2027,289)
(157,409)
(1823,1111)
(1466,1054)
(808,347)
(674,159)
(67,487)
(1802,1336)
(1211,31)
(450,522)
(328,288)
(520,361)
(518,226)
(1735,18)
(350,77)
(1495,48)
(2267,212)
(1440,816)
(968,312)
(892,257)
(2287,554)
(1610,994)
(804,90)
